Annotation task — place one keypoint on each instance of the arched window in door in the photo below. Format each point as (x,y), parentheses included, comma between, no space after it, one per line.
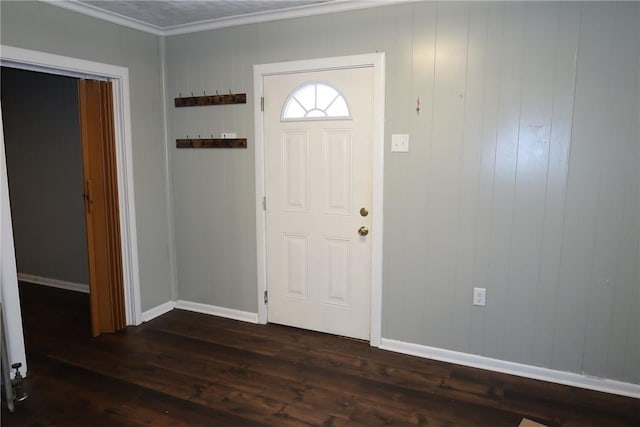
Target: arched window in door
(315,101)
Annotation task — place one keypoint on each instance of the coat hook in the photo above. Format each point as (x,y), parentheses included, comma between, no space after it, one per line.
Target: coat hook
(230,92)
(180,94)
(217,93)
(211,136)
(204,92)
(192,94)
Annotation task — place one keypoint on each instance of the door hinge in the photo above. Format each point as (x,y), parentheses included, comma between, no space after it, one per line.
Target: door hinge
(262,103)
(266,297)
(264,203)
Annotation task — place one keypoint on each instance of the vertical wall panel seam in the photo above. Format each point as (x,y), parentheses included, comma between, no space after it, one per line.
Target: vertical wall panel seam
(637,273)
(460,173)
(546,190)
(515,182)
(415,121)
(482,129)
(493,185)
(627,201)
(636,289)
(429,159)
(595,282)
(404,326)
(621,235)
(564,209)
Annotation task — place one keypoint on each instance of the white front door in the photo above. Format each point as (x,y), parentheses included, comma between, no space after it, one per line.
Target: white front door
(318,179)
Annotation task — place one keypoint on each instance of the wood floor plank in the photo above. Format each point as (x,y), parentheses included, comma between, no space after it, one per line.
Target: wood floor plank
(190,369)
(299,384)
(436,381)
(102,400)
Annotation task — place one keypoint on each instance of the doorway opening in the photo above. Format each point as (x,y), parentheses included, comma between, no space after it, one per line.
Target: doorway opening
(60,165)
(119,77)
(44,170)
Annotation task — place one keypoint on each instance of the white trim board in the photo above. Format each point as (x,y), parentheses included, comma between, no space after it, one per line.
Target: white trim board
(197,307)
(119,76)
(521,370)
(377,61)
(54,283)
(229,313)
(9,294)
(158,311)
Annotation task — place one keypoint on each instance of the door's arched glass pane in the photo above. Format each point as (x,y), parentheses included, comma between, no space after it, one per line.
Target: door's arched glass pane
(338,108)
(294,109)
(306,96)
(325,95)
(315,101)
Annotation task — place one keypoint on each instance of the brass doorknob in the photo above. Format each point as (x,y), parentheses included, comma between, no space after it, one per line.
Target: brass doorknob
(363,231)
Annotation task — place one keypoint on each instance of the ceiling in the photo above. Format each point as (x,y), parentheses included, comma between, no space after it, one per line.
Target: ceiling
(168,17)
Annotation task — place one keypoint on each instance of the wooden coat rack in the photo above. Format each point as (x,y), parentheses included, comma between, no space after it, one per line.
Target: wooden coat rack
(200,101)
(211,143)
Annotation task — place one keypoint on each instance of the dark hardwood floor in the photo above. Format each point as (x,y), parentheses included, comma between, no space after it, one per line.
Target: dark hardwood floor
(188,369)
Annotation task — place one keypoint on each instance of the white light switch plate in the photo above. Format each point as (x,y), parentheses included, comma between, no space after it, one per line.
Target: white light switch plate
(400,143)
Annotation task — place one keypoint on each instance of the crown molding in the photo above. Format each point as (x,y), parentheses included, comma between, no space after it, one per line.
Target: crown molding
(115,18)
(332,6)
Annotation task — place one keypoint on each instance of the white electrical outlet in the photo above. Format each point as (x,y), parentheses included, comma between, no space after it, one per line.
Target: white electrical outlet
(480,296)
(228,135)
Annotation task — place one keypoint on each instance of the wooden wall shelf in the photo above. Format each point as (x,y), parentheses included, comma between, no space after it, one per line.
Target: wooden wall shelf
(198,101)
(212,143)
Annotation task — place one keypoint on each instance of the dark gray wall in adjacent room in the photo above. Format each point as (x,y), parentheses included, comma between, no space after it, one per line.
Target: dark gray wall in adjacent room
(44,167)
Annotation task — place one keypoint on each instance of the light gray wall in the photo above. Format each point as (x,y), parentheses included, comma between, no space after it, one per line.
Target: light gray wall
(39,26)
(522,176)
(44,165)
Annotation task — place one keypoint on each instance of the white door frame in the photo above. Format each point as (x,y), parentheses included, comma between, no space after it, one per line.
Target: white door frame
(377,62)
(119,76)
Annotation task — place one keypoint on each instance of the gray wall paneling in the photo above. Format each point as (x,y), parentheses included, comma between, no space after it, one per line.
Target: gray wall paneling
(513,182)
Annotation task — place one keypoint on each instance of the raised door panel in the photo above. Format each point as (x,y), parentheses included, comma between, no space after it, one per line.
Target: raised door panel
(295,173)
(338,172)
(296,266)
(337,271)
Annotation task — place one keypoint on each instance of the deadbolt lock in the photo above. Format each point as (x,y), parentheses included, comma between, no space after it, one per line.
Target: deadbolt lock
(364,212)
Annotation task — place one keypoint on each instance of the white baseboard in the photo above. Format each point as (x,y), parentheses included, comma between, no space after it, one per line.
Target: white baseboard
(54,283)
(229,313)
(199,308)
(158,311)
(527,371)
